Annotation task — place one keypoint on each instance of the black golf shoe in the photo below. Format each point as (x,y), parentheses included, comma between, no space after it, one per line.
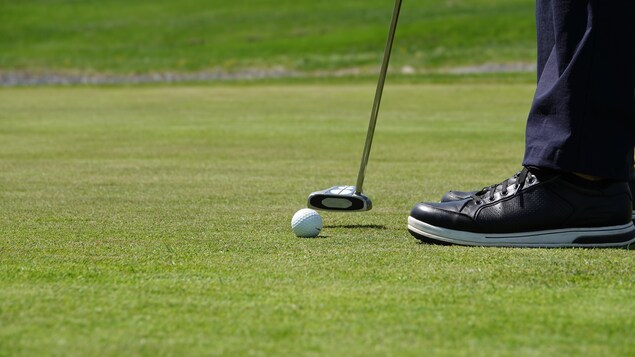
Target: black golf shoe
(462,195)
(534,208)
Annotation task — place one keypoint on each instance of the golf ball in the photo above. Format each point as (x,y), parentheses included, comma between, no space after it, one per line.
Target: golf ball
(306,223)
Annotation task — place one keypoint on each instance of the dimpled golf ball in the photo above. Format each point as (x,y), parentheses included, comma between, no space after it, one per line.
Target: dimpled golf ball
(306,223)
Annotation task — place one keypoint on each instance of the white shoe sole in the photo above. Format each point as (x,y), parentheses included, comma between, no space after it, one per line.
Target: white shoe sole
(606,237)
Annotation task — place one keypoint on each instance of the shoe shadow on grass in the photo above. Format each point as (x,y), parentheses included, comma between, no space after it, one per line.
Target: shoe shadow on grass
(427,241)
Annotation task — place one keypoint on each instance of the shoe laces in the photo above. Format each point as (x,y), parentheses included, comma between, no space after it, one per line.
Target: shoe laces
(518,181)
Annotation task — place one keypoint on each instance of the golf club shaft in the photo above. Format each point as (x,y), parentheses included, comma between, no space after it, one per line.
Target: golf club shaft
(378,92)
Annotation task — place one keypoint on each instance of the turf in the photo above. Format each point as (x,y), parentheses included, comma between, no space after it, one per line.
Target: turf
(155,221)
(145,36)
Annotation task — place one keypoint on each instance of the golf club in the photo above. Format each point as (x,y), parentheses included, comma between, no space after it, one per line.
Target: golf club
(351,198)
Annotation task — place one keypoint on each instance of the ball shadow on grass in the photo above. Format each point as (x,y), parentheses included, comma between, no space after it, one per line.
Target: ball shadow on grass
(358,226)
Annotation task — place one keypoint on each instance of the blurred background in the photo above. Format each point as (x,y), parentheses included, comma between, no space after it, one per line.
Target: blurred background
(262,38)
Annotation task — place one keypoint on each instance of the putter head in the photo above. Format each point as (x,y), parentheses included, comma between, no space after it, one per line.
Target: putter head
(339,198)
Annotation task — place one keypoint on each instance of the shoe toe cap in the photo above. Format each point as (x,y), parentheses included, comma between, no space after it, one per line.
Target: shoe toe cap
(444,214)
(456,195)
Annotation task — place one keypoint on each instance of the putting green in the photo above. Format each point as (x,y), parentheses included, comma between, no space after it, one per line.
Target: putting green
(156,221)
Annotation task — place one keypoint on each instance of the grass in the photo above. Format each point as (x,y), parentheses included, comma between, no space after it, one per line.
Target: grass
(143,36)
(155,221)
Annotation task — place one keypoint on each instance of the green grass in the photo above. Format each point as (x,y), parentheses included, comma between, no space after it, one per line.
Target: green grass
(155,221)
(117,36)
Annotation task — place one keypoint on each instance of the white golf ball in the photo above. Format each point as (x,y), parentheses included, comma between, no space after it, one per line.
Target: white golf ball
(306,223)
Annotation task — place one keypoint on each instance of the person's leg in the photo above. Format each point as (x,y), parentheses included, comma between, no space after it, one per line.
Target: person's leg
(545,35)
(583,115)
(581,121)
(585,97)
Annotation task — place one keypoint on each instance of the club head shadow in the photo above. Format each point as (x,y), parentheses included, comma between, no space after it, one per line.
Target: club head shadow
(339,198)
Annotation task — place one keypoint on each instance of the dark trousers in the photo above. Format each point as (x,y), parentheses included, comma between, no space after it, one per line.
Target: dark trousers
(582,118)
